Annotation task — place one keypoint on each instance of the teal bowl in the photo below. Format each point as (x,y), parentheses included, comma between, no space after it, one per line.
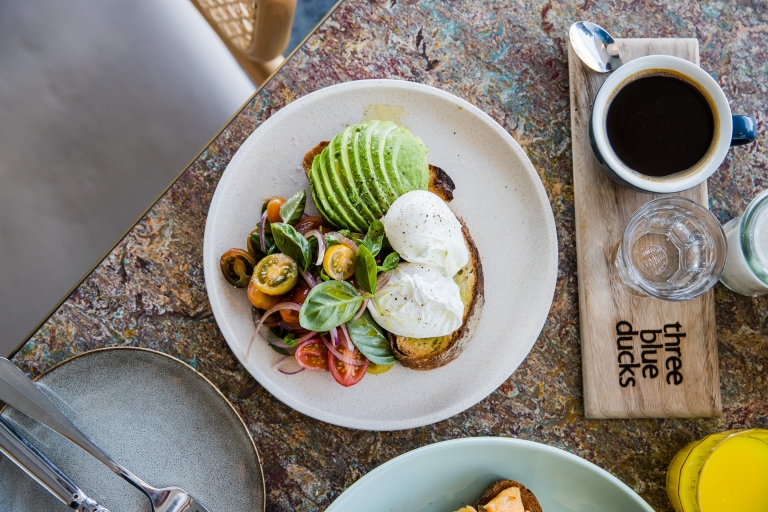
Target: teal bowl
(445,476)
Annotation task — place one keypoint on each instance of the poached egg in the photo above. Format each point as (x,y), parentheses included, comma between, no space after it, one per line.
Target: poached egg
(418,301)
(422,229)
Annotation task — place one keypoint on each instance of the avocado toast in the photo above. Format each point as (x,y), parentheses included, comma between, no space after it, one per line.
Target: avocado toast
(341,162)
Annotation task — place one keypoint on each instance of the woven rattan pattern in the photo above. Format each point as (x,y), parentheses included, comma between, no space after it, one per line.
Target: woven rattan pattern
(234,19)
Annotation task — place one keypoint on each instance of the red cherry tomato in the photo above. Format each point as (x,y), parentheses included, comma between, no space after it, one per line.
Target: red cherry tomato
(347,374)
(308,223)
(299,295)
(313,355)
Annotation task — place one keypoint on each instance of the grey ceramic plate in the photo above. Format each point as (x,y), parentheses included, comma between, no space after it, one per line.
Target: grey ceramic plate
(152,413)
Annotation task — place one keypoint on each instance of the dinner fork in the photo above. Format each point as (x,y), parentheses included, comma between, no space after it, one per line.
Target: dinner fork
(22,453)
(18,391)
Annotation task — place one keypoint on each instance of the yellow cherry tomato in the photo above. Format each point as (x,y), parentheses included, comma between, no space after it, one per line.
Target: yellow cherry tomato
(377,369)
(339,262)
(273,209)
(260,299)
(275,274)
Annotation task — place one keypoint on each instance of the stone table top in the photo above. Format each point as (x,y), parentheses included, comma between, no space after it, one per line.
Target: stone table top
(508,57)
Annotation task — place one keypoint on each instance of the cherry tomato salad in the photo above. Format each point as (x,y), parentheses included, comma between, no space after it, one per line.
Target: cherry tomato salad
(310,286)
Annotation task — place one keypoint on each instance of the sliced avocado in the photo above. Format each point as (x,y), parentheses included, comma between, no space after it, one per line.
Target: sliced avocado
(408,158)
(335,193)
(378,148)
(326,219)
(361,157)
(351,164)
(341,164)
(318,195)
(363,170)
(372,138)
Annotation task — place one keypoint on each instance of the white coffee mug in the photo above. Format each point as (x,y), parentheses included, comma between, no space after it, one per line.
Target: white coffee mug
(729,130)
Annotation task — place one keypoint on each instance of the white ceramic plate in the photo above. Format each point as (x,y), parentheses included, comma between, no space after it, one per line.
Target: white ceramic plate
(499,195)
(152,413)
(443,477)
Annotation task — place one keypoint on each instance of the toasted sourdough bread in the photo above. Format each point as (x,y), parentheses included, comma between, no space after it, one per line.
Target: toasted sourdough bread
(431,353)
(530,502)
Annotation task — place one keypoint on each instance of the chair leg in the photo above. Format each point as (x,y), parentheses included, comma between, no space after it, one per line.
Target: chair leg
(257,71)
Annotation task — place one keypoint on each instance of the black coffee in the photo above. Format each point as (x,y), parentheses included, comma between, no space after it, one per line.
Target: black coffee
(659,125)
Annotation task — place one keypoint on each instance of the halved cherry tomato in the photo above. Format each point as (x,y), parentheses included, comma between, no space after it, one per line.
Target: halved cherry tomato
(260,299)
(299,295)
(313,355)
(273,209)
(237,267)
(339,262)
(308,223)
(275,274)
(347,374)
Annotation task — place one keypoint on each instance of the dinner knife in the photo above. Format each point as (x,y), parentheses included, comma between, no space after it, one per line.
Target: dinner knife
(35,464)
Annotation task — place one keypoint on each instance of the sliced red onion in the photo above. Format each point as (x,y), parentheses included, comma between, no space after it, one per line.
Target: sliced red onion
(320,244)
(349,358)
(262,242)
(291,373)
(334,336)
(295,306)
(362,309)
(346,241)
(265,332)
(384,279)
(291,327)
(305,338)
(350,345)
(289,366)
(308,278)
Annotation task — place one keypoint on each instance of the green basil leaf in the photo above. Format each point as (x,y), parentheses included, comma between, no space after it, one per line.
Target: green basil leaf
(375,237)
(365,269)
(323,275)
(328,305)
(314,248)
(254,247)
(370,339)
(279,350)
(293,208)
(390,262)
(290,339)
(292,243)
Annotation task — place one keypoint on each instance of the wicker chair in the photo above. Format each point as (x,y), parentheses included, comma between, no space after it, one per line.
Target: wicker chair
(255,31)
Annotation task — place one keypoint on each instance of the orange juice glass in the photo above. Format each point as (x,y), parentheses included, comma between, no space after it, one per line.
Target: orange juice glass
(727,471)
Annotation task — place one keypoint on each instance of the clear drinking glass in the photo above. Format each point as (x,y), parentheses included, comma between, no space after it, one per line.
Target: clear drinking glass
(673,249)
(747,270)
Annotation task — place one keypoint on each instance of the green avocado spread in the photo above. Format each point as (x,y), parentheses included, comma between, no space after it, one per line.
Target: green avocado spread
(363,170)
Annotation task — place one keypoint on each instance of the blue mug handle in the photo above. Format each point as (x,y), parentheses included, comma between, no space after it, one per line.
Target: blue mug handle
(744,130)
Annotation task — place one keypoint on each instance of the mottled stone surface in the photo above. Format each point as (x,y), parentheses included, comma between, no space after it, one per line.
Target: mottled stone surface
(508,58)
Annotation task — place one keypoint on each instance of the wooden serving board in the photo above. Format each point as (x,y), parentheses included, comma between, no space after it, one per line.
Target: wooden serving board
(642,357)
